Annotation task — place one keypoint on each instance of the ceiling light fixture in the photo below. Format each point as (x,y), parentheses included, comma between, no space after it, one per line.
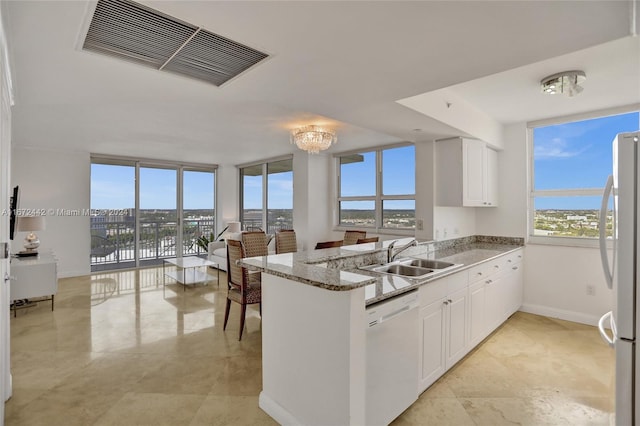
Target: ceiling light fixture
(566,82)
(313,138)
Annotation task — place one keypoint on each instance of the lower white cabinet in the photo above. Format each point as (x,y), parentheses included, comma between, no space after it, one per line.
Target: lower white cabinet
(477,310)
(432,350)
(443,325)
(458,311)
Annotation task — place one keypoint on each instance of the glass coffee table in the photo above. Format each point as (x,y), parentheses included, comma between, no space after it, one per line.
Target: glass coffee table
(188,270)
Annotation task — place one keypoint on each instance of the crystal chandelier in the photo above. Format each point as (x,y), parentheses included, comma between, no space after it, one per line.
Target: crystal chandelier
(313,138)
(566,82)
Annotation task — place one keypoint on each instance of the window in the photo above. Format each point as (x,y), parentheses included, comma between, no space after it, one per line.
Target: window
(161,216)
(571,163)
(267,195)
(376,189)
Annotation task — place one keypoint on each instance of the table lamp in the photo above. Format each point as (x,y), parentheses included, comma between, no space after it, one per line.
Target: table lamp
(233,227)
(30,224)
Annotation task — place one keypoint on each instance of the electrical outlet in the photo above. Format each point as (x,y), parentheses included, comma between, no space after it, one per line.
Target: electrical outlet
(444,232)
(456,231)
(420,224)
(591,290)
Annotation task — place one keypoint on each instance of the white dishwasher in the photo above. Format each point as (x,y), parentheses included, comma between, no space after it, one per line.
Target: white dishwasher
(392,358)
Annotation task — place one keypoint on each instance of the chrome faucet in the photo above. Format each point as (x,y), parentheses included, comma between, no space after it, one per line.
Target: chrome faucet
(391,255)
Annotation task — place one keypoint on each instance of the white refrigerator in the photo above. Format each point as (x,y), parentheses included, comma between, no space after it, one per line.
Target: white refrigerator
(621,272)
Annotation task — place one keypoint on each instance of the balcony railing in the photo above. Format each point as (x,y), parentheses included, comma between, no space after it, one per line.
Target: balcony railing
(113,243)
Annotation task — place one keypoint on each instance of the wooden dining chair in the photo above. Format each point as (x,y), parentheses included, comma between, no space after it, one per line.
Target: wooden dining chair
(367,240)
(352,237)
(286,241)
(241,289)
(328,244)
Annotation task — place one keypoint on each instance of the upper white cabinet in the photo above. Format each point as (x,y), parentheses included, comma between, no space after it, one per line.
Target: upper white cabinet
(466,173)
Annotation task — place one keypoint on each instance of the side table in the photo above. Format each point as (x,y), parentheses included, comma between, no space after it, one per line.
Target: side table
(34,277)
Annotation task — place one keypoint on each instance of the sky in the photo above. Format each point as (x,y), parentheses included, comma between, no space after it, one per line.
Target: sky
(576,155)
(113,187)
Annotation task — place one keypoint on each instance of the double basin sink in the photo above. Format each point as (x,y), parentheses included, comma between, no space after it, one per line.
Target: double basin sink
(413,268)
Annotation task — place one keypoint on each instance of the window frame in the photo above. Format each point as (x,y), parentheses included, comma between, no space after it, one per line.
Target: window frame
(180,168)
(588,242)
(264,164)
(378,198)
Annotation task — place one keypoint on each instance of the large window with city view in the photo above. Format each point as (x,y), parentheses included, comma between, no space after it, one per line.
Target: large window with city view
(267,195)
(163,216)
(377,188)
(571,163)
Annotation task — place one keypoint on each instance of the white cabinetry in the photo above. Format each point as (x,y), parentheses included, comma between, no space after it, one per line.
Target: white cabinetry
(466,173)
(495,292)
(443,322)
(458,311)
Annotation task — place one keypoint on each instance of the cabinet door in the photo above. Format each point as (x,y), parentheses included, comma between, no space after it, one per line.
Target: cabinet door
(432,357)
(477,311)
(491,182)
(496,297)
(456,311)
(515,285)
(474,174)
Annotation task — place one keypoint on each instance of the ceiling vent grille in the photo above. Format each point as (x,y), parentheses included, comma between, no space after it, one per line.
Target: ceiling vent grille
(131,31)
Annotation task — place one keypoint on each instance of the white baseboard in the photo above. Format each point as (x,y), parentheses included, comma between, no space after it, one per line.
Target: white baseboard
(562,314)
(276,411)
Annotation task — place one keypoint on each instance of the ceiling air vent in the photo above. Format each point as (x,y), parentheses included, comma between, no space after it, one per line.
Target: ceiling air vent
(131,31)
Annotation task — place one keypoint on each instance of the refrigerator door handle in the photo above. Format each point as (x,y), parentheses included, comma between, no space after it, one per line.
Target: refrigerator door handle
(603,233)
(608,340)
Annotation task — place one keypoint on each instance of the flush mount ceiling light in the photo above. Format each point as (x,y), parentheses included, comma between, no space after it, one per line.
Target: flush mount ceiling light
(566,82)
(313,138)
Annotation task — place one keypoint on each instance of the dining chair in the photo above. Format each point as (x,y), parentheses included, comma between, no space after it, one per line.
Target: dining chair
(351,237)
(240,288)
(367,240)
(329,244)
(255,243)
(286,241)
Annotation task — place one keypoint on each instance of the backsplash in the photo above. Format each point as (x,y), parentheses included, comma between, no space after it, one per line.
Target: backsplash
(489,239)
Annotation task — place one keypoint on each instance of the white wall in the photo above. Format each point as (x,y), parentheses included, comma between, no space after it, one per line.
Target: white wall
(56,183)
(227,202)
(510,217)
(556,280)
(425,189)
(312,198)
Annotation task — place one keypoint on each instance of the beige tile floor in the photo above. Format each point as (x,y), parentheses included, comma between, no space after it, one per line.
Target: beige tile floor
(118,350)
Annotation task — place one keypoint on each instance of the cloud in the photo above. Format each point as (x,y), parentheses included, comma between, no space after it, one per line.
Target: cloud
(556,148)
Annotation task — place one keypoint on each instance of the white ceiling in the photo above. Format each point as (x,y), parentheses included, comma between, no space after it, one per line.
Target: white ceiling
(338,63)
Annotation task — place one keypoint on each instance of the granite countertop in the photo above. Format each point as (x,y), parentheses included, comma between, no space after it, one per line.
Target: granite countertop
(336,269)
(467,256)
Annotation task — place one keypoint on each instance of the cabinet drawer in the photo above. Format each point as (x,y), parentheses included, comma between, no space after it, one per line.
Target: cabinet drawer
(479,272)
(433,291)
(513,258)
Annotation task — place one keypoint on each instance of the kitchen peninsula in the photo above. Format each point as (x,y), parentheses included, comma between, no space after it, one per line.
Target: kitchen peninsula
(314,319)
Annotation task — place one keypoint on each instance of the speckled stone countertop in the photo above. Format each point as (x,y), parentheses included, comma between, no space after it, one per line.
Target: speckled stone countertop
(336,269)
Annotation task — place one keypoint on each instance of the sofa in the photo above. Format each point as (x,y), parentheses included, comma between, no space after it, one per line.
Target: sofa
(218,253)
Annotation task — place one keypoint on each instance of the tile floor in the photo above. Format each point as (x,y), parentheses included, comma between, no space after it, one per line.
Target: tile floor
(118,350)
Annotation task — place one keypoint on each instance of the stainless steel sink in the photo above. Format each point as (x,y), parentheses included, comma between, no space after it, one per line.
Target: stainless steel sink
(427,263)
(415,269)
(405,270)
